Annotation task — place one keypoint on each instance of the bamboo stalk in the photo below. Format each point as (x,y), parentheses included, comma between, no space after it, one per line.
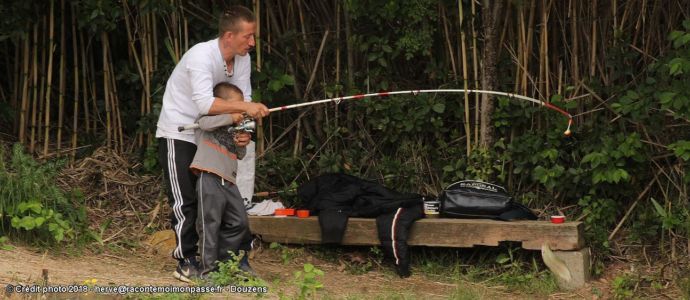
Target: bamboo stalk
(593,54)
(17,76)
(475,73)
(614,10)
(49,80)
(447,37)
(97,118)
(82,51)
(336,111)
(468,130)
(75,107)
(116,104)
(35,91)
(528,45)
(42,80)
(520,46)
(62,81)
(154,45)
(25,91)
(257,13)
(575,64)
(137,62)
(258,50)
(106,89)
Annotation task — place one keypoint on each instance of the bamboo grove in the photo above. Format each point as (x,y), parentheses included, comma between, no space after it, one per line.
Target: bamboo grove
(82,73)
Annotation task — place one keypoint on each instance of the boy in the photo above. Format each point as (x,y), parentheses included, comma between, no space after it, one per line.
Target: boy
(222,219)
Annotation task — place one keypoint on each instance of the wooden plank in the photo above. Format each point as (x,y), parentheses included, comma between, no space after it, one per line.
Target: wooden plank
(437,232)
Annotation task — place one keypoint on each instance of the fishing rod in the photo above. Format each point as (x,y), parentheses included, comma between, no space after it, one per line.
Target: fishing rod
(249,125)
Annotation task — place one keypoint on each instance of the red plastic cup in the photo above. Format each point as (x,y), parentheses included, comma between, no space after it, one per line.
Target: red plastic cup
(303,213)
(280,212)
(557,219)
(289,211)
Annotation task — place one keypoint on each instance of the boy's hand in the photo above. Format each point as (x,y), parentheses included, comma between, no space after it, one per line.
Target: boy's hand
(242,138)
(236,118)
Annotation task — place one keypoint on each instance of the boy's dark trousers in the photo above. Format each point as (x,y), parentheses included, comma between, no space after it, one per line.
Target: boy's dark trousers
(222,221)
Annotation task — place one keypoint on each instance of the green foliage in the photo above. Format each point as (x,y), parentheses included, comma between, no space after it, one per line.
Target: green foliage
(618,153)
(307,281)
(410,37)
(286,254)
(151,157)
(684,285)
(34,207)
(98,15)
(622,287)
(32,216)
(229,273)
(671,220)
(273,82)
(3,244)
(17,16)
(600,215)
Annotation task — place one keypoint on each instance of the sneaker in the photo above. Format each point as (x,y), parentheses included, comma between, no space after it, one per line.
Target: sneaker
(244,266)
(187,269)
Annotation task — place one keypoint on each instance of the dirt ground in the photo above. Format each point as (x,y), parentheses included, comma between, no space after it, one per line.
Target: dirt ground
(25,266)
(143,267)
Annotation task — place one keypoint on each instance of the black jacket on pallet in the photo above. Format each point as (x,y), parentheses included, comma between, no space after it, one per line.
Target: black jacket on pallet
(336,197)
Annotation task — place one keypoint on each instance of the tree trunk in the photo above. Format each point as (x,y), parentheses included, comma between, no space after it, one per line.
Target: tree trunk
(490,13)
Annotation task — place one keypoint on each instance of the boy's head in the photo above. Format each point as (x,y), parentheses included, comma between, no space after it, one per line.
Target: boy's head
(228,91)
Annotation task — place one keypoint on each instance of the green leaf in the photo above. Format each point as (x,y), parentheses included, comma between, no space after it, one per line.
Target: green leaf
(275,85)
(382,62)
(686,24)
(39,221)
(171,51)
(439,107)
(659,209)
(681,41)
(666,97)
(502,258)
(33,206)
(287,79)
(675,35)
(308,267)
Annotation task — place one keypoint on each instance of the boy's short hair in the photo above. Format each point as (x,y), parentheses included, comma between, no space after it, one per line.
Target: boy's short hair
(225,90)
(231,17)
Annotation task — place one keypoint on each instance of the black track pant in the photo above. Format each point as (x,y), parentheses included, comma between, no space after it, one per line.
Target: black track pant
(222,221)
(175,156)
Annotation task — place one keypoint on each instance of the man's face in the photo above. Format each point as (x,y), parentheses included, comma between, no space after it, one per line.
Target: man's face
(242,41)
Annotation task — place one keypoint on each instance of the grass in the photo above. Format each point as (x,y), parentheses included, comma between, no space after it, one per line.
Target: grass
(507,266)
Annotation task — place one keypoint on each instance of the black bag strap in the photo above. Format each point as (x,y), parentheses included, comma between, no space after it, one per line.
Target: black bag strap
(517,212)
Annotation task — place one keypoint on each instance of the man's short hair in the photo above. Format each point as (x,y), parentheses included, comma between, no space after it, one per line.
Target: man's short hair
(231,17)
(225,90)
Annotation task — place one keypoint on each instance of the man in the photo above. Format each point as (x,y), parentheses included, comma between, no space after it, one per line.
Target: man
(188,94)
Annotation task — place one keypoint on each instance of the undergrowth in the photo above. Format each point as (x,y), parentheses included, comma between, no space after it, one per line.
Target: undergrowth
(34,209)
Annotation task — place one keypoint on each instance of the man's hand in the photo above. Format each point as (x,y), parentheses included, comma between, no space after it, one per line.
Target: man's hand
(256,110)
(242,138)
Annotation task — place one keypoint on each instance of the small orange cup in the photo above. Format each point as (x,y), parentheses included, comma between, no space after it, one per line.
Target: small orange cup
(303,213)
(557,219)
(289,211)
(280,212)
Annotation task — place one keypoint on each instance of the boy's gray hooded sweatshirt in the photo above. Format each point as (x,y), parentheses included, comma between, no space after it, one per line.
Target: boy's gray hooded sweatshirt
(216,153)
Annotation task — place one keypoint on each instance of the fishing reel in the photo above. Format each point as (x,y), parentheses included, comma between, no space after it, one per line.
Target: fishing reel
(246,125)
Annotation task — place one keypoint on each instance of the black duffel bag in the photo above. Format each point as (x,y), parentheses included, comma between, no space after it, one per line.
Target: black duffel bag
(478,199)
